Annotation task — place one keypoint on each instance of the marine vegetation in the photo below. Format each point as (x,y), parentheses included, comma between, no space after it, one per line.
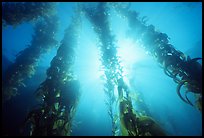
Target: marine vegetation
(15,13)
(58,95)
(109,59)
(135,125)
(181,68)
(132,123)
(26,61)
(113,70)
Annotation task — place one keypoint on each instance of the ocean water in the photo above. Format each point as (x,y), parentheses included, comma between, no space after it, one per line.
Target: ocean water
(181,21)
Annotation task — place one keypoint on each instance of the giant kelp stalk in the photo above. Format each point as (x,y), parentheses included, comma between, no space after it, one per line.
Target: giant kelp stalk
(130,125)
(15,13)
(26,60)
(112,69)
(184,70)
(133,123)
(59,93)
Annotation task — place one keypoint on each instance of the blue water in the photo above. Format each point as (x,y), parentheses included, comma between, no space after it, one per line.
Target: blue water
(182,22)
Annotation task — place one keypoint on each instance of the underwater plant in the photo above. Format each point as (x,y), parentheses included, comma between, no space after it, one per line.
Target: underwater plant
(112,68)
(109,59)
(59,93)
(132,122)
(27,59)
(15,13)
(176,65)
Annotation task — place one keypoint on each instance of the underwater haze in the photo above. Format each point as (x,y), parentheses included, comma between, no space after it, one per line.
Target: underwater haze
(152,91)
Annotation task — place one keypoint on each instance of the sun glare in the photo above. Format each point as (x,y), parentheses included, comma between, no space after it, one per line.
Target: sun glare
(129,53)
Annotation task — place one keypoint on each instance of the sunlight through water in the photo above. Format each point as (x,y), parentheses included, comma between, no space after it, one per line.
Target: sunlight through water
(130,53)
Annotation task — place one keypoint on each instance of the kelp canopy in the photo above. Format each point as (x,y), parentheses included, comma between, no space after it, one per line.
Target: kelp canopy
(59,94)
